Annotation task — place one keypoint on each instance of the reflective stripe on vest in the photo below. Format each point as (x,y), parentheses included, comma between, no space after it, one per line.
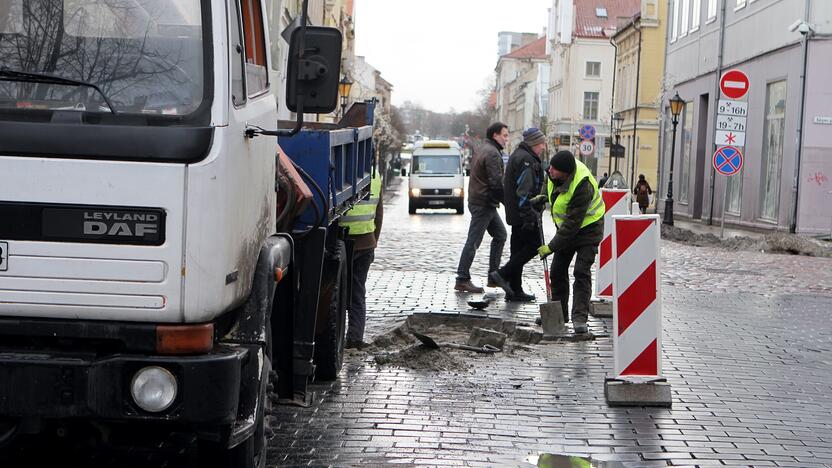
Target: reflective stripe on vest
(561,203)
(361,218)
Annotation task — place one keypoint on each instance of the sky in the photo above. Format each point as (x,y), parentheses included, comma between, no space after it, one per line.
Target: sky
(439,53)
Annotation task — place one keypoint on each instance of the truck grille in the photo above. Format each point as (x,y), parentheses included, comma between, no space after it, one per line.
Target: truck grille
(437,192)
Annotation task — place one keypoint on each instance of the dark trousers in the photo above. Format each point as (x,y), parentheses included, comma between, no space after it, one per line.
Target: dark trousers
(357,313)
(524,244)
(582,290)
(483,218)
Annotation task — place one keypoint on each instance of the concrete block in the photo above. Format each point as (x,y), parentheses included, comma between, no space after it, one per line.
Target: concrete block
(622,393)
(551,316)
(527,335)
(509,326)
(601,309)
(484,336)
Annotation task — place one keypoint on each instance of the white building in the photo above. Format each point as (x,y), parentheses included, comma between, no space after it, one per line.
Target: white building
(582,63)
(522,84)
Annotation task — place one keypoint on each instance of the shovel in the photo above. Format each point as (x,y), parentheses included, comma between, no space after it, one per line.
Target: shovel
(432,344)
(549,307)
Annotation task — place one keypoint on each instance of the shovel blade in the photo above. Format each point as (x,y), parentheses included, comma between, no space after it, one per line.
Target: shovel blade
(426,340)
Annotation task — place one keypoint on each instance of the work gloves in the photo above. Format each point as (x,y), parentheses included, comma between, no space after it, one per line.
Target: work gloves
(538,202)
(544,251)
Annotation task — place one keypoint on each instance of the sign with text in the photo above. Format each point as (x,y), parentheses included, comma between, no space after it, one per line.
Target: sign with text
(735,108)
(730,123)
(586,148)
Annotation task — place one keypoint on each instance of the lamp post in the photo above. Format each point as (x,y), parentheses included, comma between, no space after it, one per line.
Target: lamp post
(344,87)
(617,121)
(676,105)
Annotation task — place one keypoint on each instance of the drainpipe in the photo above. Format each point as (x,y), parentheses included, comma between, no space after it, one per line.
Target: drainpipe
(718,75)
(637,27)
(799,151)
(612,104)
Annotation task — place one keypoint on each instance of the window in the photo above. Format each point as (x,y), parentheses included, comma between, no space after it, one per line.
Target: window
(687,144)
(601,12)
(695,14)
(774,132)
(257,77)
(674,20)
(593,69)
(711,10)
(685,18)
(734,189)
(238,82)
(740,4)
(591,105)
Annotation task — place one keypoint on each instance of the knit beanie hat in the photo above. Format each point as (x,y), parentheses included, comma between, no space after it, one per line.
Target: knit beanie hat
(564,161)
(533,136)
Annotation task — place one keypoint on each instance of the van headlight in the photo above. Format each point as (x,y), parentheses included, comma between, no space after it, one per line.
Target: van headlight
(153,389)
(415,192)
(458,192)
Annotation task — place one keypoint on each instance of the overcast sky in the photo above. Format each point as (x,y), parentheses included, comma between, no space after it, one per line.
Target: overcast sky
(439,53)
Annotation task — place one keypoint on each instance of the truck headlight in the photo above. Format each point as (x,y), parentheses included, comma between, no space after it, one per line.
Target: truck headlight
(153,389)
(458,192)
(415,192)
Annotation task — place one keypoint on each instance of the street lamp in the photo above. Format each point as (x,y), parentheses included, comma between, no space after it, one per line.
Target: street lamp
(617,122)
(344,87)
(676,105)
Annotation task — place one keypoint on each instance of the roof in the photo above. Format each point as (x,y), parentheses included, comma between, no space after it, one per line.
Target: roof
(532,50)
(589,24)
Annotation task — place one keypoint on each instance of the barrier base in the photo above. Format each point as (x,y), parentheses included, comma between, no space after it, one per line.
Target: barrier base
(601,308)
(629,393)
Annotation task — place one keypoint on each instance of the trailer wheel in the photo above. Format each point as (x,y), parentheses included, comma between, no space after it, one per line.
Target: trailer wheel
(329,343)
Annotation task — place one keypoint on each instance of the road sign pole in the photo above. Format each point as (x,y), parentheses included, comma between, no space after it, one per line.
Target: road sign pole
(724,209)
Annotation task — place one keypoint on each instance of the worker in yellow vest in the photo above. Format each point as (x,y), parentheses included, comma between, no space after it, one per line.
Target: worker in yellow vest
(578,213)
(363,222)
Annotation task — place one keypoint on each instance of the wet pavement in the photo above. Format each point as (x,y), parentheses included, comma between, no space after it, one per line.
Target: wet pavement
(747,350)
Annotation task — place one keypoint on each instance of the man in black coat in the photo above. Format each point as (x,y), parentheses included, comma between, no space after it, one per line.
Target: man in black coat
(523,181)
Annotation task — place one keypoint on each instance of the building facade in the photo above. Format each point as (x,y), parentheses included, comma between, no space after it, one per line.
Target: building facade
(522,81)
(788,139)
(582,60)
(640,51)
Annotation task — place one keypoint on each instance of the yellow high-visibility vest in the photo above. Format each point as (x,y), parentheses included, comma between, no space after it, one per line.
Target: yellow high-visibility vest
(361,218)
(596,206)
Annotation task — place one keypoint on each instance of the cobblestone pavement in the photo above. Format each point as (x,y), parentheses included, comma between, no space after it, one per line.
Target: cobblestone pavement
(747,349)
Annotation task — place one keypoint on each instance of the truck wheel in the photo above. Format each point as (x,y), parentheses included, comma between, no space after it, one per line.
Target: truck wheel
(460,209)
(411,208)
(329,344)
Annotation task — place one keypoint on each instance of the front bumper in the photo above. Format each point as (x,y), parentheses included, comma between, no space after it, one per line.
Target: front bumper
(437,201)
(83,385)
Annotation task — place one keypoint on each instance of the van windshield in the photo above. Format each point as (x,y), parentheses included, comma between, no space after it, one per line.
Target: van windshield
(136,56)
(436,164)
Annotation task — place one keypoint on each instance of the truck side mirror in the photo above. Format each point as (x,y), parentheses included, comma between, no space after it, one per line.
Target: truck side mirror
(404,172)
(312,73)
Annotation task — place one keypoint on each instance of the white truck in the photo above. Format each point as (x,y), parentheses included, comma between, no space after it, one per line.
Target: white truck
(146,290)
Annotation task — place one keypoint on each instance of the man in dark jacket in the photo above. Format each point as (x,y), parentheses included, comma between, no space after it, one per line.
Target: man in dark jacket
(522,182)
(485,192)
(578,213)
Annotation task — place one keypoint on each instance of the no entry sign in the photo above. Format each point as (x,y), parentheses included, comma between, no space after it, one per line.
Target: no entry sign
(728,160)
(734,84)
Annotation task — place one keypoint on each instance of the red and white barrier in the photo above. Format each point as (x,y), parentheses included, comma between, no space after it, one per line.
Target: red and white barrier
(616,202)
(637,318)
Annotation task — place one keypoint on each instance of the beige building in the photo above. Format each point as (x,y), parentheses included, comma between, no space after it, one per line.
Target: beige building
(521,89)
(640,51)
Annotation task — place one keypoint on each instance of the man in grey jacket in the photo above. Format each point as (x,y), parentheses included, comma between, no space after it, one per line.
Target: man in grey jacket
(485,193)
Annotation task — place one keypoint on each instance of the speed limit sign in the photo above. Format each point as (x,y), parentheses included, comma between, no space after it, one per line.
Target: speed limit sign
(586,148)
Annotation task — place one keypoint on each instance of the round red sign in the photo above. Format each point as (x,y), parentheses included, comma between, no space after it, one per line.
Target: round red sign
(734,84)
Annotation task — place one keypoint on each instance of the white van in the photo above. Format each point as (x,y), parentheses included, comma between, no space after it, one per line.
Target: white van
(436,176)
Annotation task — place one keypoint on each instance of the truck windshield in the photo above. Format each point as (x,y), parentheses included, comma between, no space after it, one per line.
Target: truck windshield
(143,56)
(430,164)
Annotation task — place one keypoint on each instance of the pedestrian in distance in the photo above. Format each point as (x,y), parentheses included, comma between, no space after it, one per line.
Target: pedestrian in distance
(578,213)
(485,193)
(642,191)
(603,180)
(363,222)
(523,182)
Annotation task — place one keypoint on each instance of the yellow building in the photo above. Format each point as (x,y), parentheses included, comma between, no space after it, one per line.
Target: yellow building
(640,52)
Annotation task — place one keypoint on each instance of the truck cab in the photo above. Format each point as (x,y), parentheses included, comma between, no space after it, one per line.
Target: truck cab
(143,280)
(436,177)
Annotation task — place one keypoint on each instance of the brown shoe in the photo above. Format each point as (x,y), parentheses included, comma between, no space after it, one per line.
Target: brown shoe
(467,286)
